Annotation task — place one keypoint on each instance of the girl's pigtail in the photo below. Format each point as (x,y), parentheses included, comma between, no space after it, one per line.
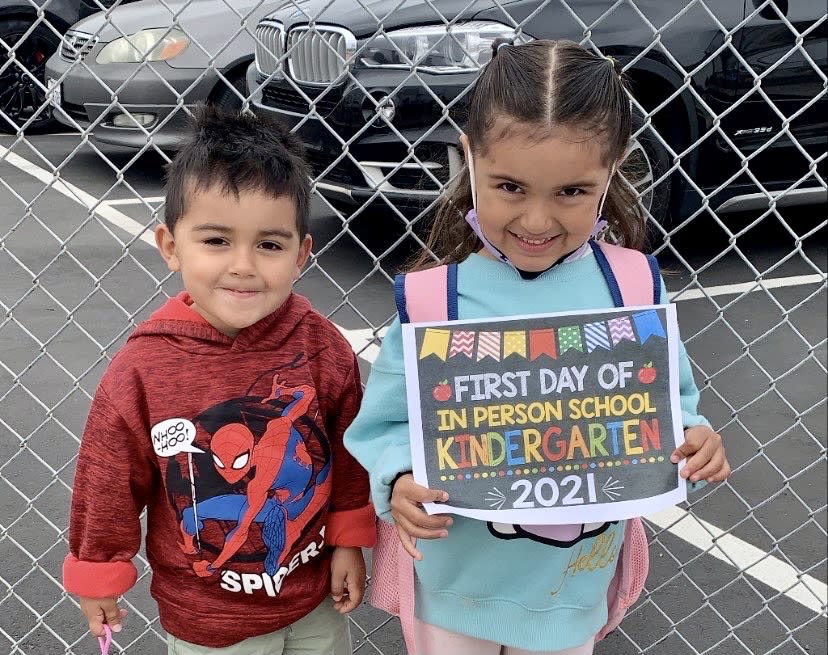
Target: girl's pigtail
(499,43)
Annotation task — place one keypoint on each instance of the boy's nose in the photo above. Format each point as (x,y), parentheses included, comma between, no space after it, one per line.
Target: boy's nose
(242,263)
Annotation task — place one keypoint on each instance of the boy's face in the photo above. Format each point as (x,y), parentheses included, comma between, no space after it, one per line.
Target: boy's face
(238,257)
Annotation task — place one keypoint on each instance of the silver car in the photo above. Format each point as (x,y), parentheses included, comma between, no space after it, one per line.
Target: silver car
(129,76)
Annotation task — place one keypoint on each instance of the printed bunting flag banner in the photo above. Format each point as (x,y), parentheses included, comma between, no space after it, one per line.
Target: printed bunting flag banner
(542,342)
(569,338)
(531,344)
(648,325)
(488,345)
(620,329)
(462,343)
(596,336)
(514,343)
(436,342)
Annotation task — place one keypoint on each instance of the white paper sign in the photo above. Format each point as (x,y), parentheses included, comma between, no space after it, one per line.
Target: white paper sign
(551,419)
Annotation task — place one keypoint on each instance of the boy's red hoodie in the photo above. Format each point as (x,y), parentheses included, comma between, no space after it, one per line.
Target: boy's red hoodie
(234,446)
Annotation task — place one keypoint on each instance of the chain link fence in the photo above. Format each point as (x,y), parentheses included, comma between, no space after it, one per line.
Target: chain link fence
(730,101)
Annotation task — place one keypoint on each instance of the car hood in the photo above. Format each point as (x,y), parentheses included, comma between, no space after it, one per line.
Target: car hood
(362,18)
(212,24)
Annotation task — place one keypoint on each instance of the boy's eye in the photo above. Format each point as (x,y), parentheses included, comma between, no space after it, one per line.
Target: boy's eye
(571,192)
(215,241)
(270,245)
(510,187)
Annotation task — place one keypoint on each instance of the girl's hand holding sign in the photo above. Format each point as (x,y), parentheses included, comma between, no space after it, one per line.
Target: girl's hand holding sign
(705,453)
(411,520)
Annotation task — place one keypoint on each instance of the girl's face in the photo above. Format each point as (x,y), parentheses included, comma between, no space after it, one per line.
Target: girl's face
(538,200)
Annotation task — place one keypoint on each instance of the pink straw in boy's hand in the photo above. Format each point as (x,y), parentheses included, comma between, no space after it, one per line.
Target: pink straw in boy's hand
(106,641)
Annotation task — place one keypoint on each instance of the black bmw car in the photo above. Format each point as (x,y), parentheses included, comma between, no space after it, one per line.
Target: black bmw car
(30,32)
(734,92)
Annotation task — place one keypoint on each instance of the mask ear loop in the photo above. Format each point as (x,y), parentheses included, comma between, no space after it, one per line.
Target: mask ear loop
(606,191)
(474,222)
(470,164)
(600,224)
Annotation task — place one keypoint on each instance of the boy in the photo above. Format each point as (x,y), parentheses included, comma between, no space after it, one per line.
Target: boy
(223,415)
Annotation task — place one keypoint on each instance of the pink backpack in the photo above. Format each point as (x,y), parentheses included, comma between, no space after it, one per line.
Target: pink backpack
(633,279)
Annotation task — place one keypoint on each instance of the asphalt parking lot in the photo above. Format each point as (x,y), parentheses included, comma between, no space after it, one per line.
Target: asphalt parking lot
(73,286)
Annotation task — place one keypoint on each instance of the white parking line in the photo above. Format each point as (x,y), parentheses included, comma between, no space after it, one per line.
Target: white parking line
(768,569)
(748,287)
(755,562)
(87,200)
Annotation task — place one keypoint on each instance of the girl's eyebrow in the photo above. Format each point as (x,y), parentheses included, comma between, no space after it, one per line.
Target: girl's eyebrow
(508,178)
(583,183)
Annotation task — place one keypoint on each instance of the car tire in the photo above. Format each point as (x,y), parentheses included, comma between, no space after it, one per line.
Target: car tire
(224,97)
(21,98)
(647,161)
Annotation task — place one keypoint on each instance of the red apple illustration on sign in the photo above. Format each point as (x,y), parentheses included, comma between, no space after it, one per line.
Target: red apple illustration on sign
(442,392)
(647,373)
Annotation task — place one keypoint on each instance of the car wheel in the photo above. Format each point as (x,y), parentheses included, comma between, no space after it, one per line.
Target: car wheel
(645,164)
(224,97)
(21,97)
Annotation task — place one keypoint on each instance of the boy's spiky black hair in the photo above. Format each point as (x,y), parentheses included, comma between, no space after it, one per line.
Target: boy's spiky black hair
(237,152)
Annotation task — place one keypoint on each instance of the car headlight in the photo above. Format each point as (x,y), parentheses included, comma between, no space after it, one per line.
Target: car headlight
(157,44)
(461,48)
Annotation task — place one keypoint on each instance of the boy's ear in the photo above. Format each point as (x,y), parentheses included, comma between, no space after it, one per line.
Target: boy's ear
(304,253)
(166,246)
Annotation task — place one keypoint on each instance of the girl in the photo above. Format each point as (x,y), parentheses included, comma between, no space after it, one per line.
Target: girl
(549,124)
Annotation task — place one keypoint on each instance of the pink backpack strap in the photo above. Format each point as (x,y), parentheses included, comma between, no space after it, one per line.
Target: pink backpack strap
(633,279)
(428,295)
(632,276)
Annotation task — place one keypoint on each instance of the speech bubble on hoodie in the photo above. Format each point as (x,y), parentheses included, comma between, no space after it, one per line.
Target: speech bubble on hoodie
(173,436)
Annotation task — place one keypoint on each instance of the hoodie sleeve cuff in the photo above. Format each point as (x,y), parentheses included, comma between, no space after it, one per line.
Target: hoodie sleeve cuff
(394,460)
(690,420)
(98,579)
(352,528)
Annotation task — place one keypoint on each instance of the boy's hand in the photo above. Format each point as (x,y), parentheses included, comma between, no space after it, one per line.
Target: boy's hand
(706,459)
(347,578)
(102,610)
(410,518)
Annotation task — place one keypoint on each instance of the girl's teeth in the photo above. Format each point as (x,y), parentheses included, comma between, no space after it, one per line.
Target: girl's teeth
(534,242)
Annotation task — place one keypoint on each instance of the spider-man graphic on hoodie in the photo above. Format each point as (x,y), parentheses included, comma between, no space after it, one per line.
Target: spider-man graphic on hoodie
(280,485)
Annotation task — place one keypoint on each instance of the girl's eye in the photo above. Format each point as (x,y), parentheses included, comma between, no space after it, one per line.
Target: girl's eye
(215,241)
(571,192)
(510,187)
(270,245)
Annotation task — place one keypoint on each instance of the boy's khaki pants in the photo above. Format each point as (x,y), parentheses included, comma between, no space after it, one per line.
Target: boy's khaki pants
(322,632)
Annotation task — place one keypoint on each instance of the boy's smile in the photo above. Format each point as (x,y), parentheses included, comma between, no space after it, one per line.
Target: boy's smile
(238,257)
